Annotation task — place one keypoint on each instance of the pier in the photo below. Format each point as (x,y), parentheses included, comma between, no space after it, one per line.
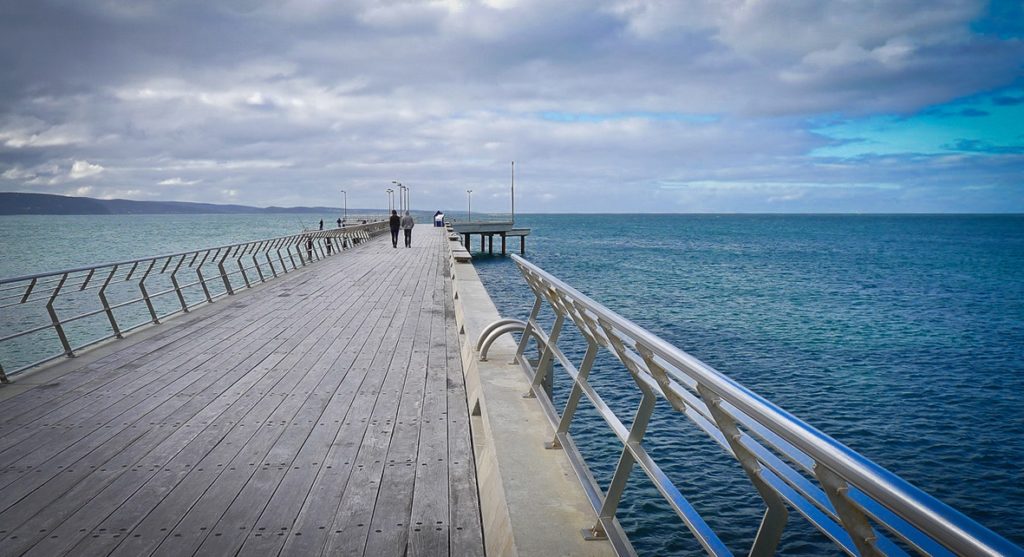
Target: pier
(487,230)
(361,401)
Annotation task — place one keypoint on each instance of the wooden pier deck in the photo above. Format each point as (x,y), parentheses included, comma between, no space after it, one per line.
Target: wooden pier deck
(323,413)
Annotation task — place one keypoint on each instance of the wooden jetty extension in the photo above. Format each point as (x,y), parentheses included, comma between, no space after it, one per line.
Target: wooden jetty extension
(487,230)
(323,413)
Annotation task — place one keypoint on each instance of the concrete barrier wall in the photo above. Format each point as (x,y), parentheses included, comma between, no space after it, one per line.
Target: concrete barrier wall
(531,499)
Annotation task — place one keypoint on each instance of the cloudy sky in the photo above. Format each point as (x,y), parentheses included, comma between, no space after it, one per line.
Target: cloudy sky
(606,106)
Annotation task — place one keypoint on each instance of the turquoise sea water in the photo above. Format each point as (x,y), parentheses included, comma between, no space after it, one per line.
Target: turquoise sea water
(901,336)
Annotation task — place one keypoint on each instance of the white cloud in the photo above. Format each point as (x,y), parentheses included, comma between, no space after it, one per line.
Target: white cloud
(84,169)
(178,182)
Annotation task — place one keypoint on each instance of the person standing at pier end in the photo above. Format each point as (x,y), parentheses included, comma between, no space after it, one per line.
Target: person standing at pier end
(321,224)
(396,222)
(407,224)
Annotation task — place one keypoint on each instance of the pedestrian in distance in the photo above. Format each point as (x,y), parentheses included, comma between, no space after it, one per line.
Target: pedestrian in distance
(339,223)
(395,222)
(321,224)
(407,224)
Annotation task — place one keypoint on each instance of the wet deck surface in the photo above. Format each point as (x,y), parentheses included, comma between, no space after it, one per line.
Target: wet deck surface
(322,413)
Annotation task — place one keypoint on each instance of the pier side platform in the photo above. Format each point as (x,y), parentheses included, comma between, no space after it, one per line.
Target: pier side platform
(321,413)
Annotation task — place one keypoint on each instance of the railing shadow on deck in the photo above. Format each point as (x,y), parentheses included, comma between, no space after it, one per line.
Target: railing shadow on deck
(861,507)
(136,293)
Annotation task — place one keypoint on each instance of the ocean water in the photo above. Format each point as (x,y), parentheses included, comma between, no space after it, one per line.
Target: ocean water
(900,336)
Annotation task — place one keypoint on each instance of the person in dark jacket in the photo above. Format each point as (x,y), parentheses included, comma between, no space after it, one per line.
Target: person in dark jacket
(396,223)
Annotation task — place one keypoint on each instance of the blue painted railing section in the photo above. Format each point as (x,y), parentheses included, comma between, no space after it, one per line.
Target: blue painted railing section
(51,315)
(795,469)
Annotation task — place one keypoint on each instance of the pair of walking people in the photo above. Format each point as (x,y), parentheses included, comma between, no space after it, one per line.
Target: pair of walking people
(405,223)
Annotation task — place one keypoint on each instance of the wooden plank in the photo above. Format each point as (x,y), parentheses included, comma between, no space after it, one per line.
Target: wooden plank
(210,509)
(327,403)
(466,531)
(390,524)
(317,509)
(91,483)
(430,516)
(351,523)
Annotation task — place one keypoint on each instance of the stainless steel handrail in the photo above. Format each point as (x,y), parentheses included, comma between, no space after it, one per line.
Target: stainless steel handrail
(244,257)
(853,501)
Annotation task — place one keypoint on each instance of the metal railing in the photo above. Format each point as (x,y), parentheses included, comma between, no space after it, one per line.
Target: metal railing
(857,504)
(135,293)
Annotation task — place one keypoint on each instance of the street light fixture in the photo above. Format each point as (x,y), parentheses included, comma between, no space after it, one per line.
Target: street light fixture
(391,199)
(345,217)
(401,198)
(469,205)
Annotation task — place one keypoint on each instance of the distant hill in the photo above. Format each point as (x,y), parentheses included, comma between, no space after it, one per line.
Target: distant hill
(45,204)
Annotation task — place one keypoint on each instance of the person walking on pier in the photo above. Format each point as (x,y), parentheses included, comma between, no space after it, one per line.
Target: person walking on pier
(396,222)
(407,224)
(321,224)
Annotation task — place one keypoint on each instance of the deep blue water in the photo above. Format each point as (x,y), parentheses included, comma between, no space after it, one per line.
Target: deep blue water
(900,336)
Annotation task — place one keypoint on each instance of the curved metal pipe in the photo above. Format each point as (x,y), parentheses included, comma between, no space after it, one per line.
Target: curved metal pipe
(495,330)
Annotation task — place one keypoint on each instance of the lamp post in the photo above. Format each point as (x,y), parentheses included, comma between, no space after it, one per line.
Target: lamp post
(469,205)
(344,218)
(391,200)
(401,198)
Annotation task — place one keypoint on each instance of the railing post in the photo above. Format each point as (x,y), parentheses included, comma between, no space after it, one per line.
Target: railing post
(177,288)
(530,321)
(852,518)
(202,280)
(106,305)
(145,293)
(574,396)
(546,364)
(224,272)
(284,267)
(606,515)
(241,268)
(774,520)
(56,321)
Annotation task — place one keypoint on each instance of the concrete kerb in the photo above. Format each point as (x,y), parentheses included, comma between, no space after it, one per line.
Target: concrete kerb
(530,498)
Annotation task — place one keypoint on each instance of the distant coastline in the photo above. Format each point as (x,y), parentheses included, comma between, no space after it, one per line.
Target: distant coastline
(12,203)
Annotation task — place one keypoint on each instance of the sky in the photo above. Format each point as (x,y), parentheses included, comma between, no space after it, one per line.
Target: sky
(777,106)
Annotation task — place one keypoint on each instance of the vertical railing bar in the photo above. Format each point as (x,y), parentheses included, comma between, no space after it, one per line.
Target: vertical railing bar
(774,520)
(527,332)
(569,411)
(88,277)
(224,272)
(177,288)
(28,291)
(131,272)
(106,305)
(56,320)
(202,279)
(145,292)
(851,517)
(255,263)
(245,277)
